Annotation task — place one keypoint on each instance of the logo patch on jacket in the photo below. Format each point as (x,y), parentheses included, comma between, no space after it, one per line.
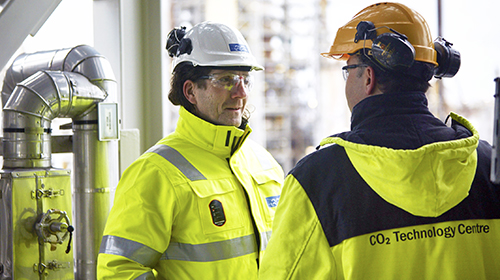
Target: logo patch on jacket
(217,211)
(272,201)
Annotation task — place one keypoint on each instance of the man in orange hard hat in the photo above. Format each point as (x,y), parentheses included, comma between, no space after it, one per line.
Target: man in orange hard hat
(402,195)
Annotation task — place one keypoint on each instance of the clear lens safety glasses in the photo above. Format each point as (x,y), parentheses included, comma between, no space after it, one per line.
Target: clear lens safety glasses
(228,81)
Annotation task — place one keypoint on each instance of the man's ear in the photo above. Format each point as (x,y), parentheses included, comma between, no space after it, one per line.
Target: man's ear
(370,81)
(188,90)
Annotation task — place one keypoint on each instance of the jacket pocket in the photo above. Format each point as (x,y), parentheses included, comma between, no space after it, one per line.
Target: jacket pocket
(220,205)
(269,187)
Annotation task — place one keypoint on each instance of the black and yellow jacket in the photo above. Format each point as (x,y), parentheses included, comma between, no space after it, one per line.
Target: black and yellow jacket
(197,205)
(400,196)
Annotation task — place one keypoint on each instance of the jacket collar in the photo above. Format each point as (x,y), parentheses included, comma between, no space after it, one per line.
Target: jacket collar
(389,104)
(221,140)
(426,181)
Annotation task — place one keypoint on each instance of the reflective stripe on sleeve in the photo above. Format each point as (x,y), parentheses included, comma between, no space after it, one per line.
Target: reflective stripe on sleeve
(179,161)
(208,252)
(264,239)
(135,251)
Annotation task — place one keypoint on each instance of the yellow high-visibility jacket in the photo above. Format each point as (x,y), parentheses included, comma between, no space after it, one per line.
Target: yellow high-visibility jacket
(197,205)
(401,196)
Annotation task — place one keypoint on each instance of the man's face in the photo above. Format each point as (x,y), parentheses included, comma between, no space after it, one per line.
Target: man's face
(219,104)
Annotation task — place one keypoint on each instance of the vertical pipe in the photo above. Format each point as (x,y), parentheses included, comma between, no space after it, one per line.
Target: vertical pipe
(441,110)
(439,11)
(84,135)
(91,193)
(495,153)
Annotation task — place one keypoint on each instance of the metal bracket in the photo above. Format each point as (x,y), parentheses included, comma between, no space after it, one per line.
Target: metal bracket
(54,265)
(50,193)
(40,268)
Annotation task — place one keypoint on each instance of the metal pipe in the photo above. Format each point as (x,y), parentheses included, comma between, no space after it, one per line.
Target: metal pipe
(33,105)
(91,194)
(42,86)
(495,152)
(81,59)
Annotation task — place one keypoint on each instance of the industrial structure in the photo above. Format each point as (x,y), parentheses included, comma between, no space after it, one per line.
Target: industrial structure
(109,95)
(53,214)
(41,210)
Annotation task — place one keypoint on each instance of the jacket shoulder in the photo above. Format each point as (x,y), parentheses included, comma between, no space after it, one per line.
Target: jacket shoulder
(320,160)
(255,152)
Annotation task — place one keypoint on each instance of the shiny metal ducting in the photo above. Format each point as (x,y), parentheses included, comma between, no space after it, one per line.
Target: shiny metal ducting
(42,86)
(69,83)
(34,103)
(82,59)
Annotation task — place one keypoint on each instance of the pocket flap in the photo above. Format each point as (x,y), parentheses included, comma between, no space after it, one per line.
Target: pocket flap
(267,176)
(206,188)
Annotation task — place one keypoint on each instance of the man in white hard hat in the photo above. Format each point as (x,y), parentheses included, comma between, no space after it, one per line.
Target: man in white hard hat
(200,203)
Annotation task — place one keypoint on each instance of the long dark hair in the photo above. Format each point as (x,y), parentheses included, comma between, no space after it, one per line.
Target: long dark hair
(183,72)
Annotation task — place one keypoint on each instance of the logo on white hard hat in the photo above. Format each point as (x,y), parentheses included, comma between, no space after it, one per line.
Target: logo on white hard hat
(238,48)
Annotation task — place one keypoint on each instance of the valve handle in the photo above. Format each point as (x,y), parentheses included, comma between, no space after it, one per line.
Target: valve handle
(70,230)
(47,226)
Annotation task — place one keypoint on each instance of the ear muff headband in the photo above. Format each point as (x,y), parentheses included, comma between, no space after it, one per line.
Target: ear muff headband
(392,51)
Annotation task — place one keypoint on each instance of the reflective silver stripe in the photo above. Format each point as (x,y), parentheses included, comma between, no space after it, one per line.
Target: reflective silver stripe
(179,161)
(264,239)
(208,252)
(146,276)
(263,158)
(135,251)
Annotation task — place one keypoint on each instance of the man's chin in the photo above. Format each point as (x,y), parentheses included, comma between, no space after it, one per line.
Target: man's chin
(234,120)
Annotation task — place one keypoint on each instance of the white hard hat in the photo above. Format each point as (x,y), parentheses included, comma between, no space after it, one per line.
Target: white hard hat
(210,44)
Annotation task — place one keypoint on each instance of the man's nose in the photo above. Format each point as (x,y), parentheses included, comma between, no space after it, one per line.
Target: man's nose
(239,91)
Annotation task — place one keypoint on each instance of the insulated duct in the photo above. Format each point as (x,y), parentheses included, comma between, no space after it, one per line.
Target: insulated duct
(67,83)
(33,105)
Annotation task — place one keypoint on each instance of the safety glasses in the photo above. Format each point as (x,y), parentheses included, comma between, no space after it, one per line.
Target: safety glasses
(228,81)
(345,69)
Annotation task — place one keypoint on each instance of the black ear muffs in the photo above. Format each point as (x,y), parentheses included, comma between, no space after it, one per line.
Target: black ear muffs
(448,59)
(392,51)
(185,46)
(174,38)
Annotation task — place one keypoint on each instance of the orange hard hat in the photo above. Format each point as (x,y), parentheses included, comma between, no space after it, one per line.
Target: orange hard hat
(393,16)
